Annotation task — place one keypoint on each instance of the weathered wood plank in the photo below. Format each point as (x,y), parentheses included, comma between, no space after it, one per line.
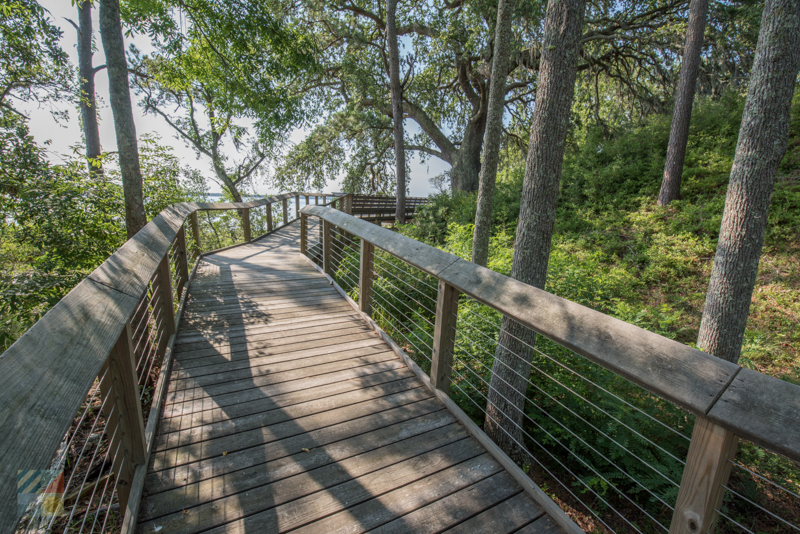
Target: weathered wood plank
(220,466)
(504,518)
(170,458)
(215,414)
(303,483)
(763,410)
(341,380)
(357,367)
(271,412)
(543,525)
(451,459)
(451,508)
(331,358)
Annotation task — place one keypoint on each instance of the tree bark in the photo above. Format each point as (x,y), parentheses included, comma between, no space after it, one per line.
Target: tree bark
(554,94)
(762,143)
(494,130)
(88,103)
(120,98)
(682,116)
(397,108)
(465,174)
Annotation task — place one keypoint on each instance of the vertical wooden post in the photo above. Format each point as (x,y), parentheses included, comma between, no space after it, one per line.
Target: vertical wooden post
(303,233)
(183,261)
(349,204)
(285,205)
(246,224)
(365,277)
(707,469)
(326,247)
(297,206)
(444,336)
(127,423)
(316,200)
(269,217)
(307,200)
(195,233)
(168,308)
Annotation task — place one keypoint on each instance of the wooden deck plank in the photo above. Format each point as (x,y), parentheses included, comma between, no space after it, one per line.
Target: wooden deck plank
(165,459)
(232,423)
(508,516)
(306,483)
(275,469)
(285,411)
(219,466)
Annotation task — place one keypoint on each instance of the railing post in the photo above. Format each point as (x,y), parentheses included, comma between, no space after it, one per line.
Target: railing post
(165,286)
(183,262)
(303,233)
(269,216)
(349,204)
(122,384)
(285,205)
(365,277)
(444,336)
(316,200)
(246,224)
(707,469)
(297,206)
(195,233)
(326,247)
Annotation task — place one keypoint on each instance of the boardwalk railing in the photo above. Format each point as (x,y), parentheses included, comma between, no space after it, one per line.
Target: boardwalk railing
(635,431)
(80,391)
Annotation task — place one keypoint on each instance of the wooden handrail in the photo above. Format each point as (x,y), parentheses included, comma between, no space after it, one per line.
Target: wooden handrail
(759,408)
(730,402)
(46,373)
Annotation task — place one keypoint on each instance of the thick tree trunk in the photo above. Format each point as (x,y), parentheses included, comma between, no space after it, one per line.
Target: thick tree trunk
(762,143)
(120,98)
(494,130)
(465,174)
(86,71)
(554,94)
(397,108)
(679,135)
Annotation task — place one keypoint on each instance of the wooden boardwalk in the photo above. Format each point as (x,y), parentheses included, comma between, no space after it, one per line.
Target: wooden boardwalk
(286,412)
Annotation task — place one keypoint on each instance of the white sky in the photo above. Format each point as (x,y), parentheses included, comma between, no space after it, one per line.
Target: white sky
(63,135)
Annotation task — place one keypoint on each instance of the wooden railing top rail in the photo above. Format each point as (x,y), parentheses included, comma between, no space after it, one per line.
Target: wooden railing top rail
(756,407)
(45,374)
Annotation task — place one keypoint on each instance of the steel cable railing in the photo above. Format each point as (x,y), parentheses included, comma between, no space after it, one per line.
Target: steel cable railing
(607,449)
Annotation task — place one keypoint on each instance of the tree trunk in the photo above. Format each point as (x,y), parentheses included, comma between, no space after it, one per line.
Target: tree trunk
(679,134)
(762,143)
(494,130)
(397,108)
(120,98)
(86,71)
(465,174)
(554,94)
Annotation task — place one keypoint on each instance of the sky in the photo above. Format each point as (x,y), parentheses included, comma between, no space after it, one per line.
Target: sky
(63,135)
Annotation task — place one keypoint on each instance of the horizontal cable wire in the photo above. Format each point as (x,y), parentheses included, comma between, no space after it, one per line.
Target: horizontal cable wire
(740,466)
(639,410)
(422,352)
(525,415)
(550,474)
(403,292)
(529,381)
(782,520)
(378,257)
(377,293)
(581,397)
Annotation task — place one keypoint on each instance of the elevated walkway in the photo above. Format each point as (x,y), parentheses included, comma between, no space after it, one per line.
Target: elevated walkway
(286,412)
